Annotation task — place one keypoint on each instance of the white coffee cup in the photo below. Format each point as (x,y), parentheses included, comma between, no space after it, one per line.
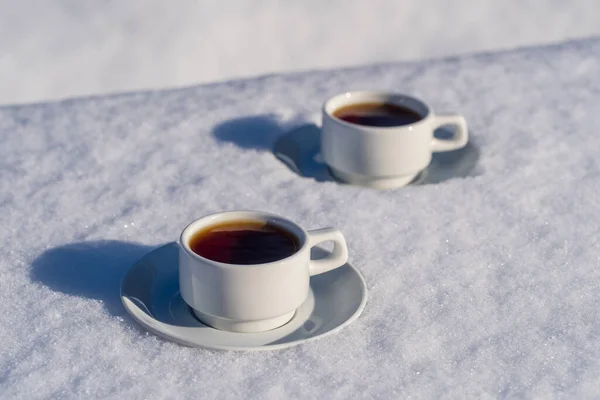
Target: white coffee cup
(256,297)
(384,157)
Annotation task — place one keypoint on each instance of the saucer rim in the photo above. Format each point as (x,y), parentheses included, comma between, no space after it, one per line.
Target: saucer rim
(152,325)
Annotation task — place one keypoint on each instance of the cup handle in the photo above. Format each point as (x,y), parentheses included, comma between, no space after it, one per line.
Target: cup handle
(460,138)
(337,258)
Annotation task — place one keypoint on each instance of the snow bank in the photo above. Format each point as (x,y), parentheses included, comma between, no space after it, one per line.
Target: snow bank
(482,284)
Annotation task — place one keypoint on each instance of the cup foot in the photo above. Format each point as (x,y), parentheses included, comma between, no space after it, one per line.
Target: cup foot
(371,182)
(232,325)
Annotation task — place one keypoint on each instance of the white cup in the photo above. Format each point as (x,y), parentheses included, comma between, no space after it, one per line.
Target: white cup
(384,157)
(257,297)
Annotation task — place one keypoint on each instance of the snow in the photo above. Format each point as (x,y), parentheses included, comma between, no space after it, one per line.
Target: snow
(484,284)
(54,49)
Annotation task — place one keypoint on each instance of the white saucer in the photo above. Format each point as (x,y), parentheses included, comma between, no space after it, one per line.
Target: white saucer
(300,150)
(150,293)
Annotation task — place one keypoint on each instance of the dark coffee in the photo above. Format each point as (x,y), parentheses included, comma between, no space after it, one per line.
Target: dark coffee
(244,242)
(377,114)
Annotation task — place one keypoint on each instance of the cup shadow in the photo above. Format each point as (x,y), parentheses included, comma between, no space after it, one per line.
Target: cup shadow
(461,163)
(91,270)
(252,132)
(299,149)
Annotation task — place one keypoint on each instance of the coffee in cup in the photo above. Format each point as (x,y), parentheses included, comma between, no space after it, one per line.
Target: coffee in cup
(377,114)
(244,242)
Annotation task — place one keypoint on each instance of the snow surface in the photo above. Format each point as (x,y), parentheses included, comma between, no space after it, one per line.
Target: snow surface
(59,48)
(480,286)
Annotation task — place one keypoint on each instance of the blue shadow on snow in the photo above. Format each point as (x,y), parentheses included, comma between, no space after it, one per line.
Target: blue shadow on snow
(92,270)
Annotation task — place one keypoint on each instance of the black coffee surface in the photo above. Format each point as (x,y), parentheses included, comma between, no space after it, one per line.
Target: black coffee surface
(377,114)
(244,242)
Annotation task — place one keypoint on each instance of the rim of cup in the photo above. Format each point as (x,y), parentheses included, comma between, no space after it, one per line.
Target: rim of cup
(364,96)
(252,215)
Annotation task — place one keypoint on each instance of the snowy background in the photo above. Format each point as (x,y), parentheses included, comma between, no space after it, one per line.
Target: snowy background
(485,284)
(60,48)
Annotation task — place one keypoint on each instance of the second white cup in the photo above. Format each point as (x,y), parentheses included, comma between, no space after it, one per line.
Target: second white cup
(384,157)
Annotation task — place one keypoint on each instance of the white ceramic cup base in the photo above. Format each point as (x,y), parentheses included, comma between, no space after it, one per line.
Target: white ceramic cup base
(372,182)
(230,325)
